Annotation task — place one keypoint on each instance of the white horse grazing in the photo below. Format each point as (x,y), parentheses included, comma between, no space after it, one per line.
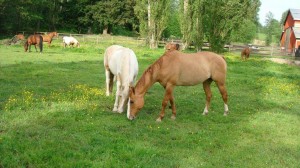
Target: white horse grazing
(70,41)
(122,63)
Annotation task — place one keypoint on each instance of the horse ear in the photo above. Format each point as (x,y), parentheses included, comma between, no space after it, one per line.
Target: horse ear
(177,46)
(131,90)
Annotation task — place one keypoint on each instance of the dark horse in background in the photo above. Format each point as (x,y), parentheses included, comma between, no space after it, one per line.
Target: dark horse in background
(245,53)
(36,40)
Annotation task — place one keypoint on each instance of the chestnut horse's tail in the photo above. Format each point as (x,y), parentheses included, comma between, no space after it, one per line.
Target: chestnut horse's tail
(41,44)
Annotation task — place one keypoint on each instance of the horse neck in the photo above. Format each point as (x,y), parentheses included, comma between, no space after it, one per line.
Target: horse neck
(51,35)
(145,82)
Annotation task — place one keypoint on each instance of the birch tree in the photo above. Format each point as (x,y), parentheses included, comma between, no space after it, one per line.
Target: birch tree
(153,15)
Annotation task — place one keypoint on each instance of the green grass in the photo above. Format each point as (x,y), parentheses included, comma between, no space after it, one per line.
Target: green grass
(54,113)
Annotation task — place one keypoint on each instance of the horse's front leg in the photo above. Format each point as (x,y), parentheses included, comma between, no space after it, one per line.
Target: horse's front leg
(168,97)
(123,99)
(35,47)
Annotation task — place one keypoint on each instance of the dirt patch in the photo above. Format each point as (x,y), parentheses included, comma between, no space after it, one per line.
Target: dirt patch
(284,61)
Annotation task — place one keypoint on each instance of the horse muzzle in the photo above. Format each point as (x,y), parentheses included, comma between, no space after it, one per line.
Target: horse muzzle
(131,117)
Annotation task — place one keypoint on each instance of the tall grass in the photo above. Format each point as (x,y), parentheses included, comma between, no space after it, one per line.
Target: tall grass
(54,113)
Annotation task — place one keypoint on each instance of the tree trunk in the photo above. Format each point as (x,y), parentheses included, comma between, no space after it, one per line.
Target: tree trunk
(185,12)
(105,30)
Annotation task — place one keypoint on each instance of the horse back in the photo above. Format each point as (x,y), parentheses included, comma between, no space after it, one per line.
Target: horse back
(122,62)
(34,39)
(191,69)
(109,52)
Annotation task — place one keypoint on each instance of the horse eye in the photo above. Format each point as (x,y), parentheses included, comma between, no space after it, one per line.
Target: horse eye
(131,102)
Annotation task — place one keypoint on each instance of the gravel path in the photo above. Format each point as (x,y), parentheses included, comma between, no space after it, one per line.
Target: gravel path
(285,61)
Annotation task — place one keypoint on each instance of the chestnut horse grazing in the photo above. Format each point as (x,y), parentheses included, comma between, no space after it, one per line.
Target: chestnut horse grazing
(122,63)
(172,46)
(175,68)
(34,40)
(245,53)
(48,37)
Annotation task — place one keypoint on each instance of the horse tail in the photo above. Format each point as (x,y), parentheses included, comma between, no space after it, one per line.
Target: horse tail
(41,44)
(223,58)
(106,59)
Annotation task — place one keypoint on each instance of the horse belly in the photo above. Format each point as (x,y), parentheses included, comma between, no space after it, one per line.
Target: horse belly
(190,76)
(186,80)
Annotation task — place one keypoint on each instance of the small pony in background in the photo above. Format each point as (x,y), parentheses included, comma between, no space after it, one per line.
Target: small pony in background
(172,46)
(70,41)
(245,53)
(120,62)
(49,36)
(34,40)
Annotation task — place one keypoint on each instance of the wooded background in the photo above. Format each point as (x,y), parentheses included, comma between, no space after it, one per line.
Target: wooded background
(218,22)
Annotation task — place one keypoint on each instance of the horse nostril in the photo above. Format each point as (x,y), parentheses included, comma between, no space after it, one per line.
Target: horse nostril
(131,117)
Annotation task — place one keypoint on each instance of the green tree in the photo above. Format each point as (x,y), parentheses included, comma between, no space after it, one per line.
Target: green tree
(173,25)
(28,15)
(106,14)
(269,28)
(153,16)
(222,18)
(246,33)
(215,21)
(191,14)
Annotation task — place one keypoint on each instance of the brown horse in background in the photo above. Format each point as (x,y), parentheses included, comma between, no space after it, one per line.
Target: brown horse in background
(49,36)
(172,46)
(245,53)
(34,40)
(19,37)
(175,68)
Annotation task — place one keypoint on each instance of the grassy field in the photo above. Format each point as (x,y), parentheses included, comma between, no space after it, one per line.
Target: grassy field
(54,113)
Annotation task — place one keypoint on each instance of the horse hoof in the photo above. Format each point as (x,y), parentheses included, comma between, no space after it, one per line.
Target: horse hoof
(204,113)
(173,117)
(225,113)
(115,109)
(158,119)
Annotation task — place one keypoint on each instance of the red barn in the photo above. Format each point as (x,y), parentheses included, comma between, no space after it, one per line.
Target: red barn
(290,37)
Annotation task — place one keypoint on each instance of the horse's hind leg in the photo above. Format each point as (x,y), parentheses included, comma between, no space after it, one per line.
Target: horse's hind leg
(223,91)
(109,81)
(35,47)
(207,90)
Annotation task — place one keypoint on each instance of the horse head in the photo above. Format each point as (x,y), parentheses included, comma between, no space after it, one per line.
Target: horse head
(55,34)
(135,103)
(26,46)
(20,37)
(172,46)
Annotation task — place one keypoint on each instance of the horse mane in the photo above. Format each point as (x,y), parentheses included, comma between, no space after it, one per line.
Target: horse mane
(149,71)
